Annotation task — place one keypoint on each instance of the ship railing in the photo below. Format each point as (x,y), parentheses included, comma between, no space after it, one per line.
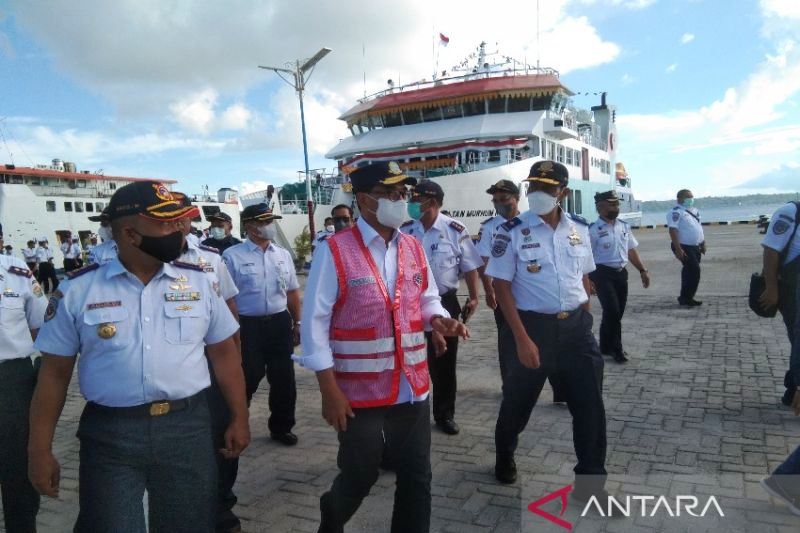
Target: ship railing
(480,74)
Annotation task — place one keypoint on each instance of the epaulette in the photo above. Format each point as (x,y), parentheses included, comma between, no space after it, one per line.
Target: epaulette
(407,223)
(592,224)
(72,274)
(19,271)
(487,220)
(190,266)
(456,226)
(676,207)
(511,224)
(322,238)
(208,248)
(579,219)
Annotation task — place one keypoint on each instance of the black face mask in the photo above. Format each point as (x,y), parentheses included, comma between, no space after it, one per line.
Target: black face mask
(611,214)
(504,210)
(166,249)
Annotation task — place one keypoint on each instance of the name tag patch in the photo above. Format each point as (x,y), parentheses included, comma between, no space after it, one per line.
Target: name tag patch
(104,305)
(357,282)
(182,296)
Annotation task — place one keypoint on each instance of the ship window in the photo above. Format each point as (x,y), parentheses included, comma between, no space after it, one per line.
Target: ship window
(569,156)
(50,206)
(534,144)
(494,156)
(17,180)
(392,119)
(551,150)
(518,104)
(432,114)
(578,203)
(36,181)
(577,158)
(68,207)
(560,154)
(497,105)
(99,206)
(89,207)
(541,102)
(412,116)
(79,207)
(474,108)
(544,148)
(375,122)
(81,184)
(451,111)
(112,185)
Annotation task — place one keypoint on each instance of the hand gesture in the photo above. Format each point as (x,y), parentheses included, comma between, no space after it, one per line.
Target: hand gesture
(449,327)
(528,352)
(237,438)
(44,473)
(336,408)
(439,344)
(645,279)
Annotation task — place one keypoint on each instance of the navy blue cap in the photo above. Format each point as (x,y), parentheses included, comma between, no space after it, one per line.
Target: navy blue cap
(102,217)
(504,186)
(149,199)
(220,216)
(429,188)
(381,172)
(607,196)
(258,212)
(550,173)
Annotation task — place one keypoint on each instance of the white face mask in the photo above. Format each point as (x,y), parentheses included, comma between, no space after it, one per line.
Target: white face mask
(105,233)
(217,233)
(541,203)
(330,229)
(391,214)
(268,232)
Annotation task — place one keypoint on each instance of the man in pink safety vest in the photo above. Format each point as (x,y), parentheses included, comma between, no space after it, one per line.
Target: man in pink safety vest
(371,296)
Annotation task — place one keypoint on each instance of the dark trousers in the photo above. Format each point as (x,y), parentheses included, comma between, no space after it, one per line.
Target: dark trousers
(690,273)
(20,499)
(505,352)
(47,276)
(227,469)
(443,368)
(361,447)
(70,265)
(568,350)
(171,456)
(611,286)
(267,347)
(788,304)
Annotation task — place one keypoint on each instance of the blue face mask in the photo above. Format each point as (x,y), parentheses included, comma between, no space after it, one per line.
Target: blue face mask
(688,202)
(415,210)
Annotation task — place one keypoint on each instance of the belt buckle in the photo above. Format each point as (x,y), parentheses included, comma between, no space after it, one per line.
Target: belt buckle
(562,315)
(159,408)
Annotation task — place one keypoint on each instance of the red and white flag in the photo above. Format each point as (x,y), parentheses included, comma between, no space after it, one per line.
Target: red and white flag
(444,40)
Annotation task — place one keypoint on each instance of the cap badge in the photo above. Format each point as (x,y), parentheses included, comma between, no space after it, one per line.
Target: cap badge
(394,168)
(546,167)
(106,330)
(162,192)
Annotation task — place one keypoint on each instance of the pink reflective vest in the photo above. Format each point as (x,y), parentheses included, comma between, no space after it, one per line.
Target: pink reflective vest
(376,335)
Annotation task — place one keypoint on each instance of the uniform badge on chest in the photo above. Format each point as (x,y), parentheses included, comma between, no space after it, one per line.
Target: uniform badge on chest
(418,279)
(534,267)
(106,330)
(574,238)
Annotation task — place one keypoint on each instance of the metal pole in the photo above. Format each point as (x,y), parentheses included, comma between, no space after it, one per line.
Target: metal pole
(309,199)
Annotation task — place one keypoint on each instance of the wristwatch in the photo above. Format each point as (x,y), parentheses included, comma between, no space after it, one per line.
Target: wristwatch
(642,271)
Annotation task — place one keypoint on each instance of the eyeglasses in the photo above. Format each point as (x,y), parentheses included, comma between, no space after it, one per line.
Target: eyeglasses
(343,219)
(394,196)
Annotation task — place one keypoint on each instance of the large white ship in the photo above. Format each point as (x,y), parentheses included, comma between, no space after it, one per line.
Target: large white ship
(466,130)
(49,200)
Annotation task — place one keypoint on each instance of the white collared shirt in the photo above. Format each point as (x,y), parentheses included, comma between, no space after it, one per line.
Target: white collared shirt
(70,250)
(102,253)
(29,254)
(263,277)
(211,263)
(781,228)
(486,235)
(152,341)
(611,242)
(22,306)
(545,267)
(43,255)
(687,222)
(322,289)
(448,247)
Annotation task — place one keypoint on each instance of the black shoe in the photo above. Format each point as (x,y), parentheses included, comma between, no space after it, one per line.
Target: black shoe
(776,486)
(621,357)
(448,426)
(787,398)
(694,303)
(505,470)
(288,438)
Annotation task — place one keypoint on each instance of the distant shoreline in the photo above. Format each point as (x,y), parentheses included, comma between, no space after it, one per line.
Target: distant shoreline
(724,201)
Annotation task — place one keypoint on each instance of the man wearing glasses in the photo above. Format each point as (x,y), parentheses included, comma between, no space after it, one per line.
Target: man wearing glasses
(363,334)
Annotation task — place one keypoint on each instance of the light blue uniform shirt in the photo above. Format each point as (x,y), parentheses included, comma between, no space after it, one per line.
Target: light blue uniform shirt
(157,349)
(781,227)
(687,222)
(22,306)
(211,263)
(545,267)
(262,276)
(611,242)
(487,233)
(448,247)
(103,253)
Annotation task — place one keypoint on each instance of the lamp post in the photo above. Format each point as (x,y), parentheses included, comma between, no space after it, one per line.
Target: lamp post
(301,73)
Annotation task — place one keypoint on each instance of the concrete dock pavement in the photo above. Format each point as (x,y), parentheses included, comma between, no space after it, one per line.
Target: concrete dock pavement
(696,411)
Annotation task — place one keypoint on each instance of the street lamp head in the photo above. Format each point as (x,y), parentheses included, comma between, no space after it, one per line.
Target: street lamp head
(315,59)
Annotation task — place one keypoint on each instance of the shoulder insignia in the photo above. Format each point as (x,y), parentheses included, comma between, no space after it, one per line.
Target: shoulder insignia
(786,217)
(19,271)
(190,266)
(81,271)
(322,238)
(676,207)
(579,219)
(511,224)
(208,248)
(456,226)
(407,223)
(487,220)
(592,224)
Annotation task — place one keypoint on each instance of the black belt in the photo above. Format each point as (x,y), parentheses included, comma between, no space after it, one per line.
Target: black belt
(612,269)
(158,408)
(266,318)
(548,316)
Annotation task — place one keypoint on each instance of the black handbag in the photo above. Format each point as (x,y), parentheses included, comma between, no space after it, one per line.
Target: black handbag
(758,283)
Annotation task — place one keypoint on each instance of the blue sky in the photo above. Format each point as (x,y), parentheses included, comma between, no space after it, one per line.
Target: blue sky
(707,90)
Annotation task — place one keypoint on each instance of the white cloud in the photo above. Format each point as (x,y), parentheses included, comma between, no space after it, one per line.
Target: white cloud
(672,68)
(633,4)
(781,8)
(686,38)
(627,79)
(235,117)
(196,111)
